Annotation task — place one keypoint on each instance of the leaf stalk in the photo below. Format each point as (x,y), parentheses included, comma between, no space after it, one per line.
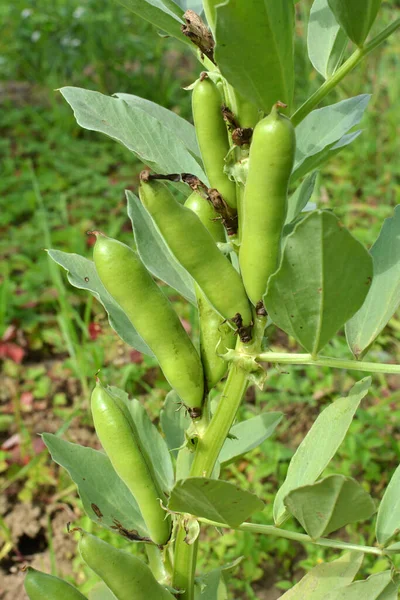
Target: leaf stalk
(353,61)
(300,537)
(325,361)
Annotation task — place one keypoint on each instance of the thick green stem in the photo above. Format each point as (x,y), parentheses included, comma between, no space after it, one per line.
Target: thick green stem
(300,537)
(156,563)
(337,77)
(185,556)
(208,447)
(325,361)
(207,452)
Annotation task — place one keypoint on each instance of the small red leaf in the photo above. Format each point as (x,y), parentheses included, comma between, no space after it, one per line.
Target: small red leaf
(27,399)
(136,357)
(11,351)
(94,330)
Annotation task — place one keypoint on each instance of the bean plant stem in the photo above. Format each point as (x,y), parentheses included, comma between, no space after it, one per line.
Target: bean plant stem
(325,361)
(207,452)
(299,537)
(154,556)
(209,445)
(337,77)
(185,557)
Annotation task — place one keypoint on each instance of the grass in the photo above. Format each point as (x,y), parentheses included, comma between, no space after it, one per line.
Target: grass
(57,182)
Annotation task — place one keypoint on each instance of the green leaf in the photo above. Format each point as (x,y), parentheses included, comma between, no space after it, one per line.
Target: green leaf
(178,6)
(323,128)
(388,521)
(215,500)
(151,440)
(101,592)
(255,49)
(154,143)
(82,274)
(98,486)
(184,463)
(155,253)
(326,577)
(249,434)
(329,504)
(320,445)
(326,40)
(316,160)
(377,587)
(322,281)
(300,198)
(174,422)
(168,118)
(383,297)
(158,14)
(356,17)
(211,586)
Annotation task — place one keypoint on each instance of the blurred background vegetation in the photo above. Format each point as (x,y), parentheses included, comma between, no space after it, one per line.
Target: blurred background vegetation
(57,182)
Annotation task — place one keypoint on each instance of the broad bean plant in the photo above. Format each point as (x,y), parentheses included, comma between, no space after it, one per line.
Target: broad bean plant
(223,216)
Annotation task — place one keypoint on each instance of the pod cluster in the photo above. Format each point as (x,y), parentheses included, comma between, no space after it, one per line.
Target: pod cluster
(257,186)
(227,237)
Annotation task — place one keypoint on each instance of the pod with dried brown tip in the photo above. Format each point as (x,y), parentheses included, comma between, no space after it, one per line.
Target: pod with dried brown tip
(194,247)
(216,336)
(212,136)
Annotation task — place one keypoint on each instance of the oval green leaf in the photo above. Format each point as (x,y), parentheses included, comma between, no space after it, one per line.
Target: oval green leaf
(247,435)
(356,17)
(300,197)
(329,504)
(215,500)
(323,279)
(383,297)
(158,14)
(326,40)
(323,133)
(320,445)
(255,49)
(211,586)
(105,497)
(388,521)
(326,577)
(153,142)
(381,586)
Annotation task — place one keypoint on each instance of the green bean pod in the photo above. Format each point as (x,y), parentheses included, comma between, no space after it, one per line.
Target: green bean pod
(215,334)
(265,201)
(41,586)
(119,437)
(127,280)
(212,136)
(207,215)
(247,113)
(128,577)
(193,246)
